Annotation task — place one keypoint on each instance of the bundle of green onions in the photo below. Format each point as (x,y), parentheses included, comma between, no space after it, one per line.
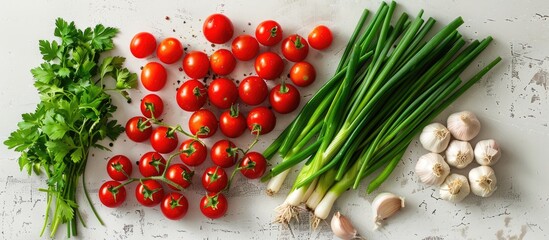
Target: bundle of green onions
(391,81)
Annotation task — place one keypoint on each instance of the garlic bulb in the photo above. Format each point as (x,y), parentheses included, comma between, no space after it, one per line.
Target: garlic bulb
(435,137)
(432,169)
(463,125)
(342,227)
(385,205)
(483,181)
(459,154)
(455,188)
(487,152)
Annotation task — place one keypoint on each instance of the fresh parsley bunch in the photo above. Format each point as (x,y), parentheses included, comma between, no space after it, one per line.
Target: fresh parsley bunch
(74,114)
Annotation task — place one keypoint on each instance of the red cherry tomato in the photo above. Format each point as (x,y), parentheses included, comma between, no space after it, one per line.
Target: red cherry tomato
(320,38)
(261,120)
(224,153)
(153,76)
(253,165)
(180,175)
(194,152)
(253,90)
(284,98)
(142,45)
(303,74)
(169,50)
(111,197)
(163,140)
(214,205)
(232,123)
(222,93)
(245,47)
(191,95)
(269,65)
(222,62)
(218,28)
(196,64)
(152,164)
(137,129)
(154,103)
(214,179)
(174,206)
(119,168)
(295,48)
(203,123)
(268,33)
(149,193)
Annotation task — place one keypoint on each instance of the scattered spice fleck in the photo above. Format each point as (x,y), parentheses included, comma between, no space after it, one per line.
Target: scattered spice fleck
(288,75)
(270,107)
(245,75)
(237,81)
(180,69)
(141,68)
(185,49)
(213,45)
(111,144)
(176,89)
(173,30)
(178,81)
(137,163)
(249,24)
(184,22)
(167,17)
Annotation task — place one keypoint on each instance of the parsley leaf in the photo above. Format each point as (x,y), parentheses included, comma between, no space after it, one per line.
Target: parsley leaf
(102,37)
(48,50)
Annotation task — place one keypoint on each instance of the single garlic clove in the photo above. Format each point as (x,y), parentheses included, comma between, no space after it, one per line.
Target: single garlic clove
(459,154)
(385,205)
(487,152)
(483,181)
(342,227)
(435,137)
(463,125)
(432,169)
(455,188)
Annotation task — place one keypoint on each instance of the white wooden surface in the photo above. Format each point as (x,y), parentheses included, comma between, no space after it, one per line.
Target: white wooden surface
(512,103)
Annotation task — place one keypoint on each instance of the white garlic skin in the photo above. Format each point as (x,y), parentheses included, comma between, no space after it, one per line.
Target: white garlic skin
(483,181)
(342,227)
(435,137)
(487,152)
(455,188)
(463,125)
(432,169)
(459,154)
(385,205)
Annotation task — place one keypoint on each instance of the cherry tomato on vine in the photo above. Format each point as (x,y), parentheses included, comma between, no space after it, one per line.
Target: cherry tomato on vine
(169,50)
(245,47)
(111,197)
(191,95)
(253,165)
(253,90)
(232,123)
(214,179)
(119,168)
(194,152)
(203,123)
(269,65)
(164,140)
(174,206)
(295,48)
(196,64)
(137,129)
(152,103)
(142,45)
(320,38)
(284,98)
(222,62)
(214,205)
(303,74)
(222,93)
(218,28)
(268,33)
(149,192)
(152,164)
(224,153)
(180,175)
(261,120)
(153,76)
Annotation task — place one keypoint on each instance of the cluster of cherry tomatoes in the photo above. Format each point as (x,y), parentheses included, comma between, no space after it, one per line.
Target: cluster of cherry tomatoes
(222,93)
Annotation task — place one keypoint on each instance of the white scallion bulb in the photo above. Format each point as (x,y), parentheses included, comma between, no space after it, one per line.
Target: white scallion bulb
(455,188)
(487,152)
(432,169)
(463,125)
(459,154)
(435,137)
(483,181)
